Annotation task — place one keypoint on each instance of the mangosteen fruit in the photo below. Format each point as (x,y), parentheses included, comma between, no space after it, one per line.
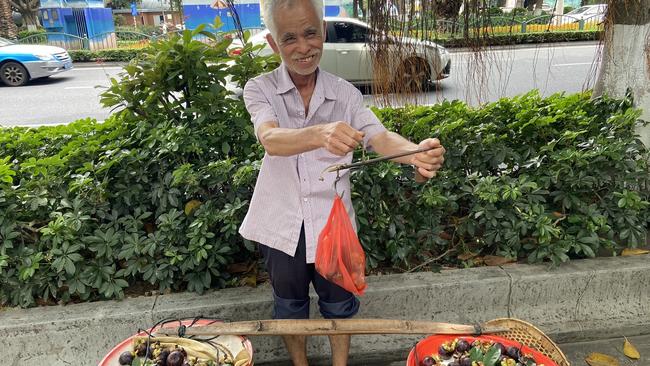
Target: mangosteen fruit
(175,358)
(142,349)
(126,358)
(162,358)
(465,361)
(453,363)
(445,352)
(513,352)
(428,361)
(462,346)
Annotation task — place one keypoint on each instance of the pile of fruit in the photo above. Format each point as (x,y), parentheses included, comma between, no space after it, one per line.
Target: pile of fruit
(463,352)
(173,351)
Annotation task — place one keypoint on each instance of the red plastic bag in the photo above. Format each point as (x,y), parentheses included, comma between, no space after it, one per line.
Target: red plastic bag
(339,256)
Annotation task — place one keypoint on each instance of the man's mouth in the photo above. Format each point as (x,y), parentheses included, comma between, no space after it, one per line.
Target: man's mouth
(305,59)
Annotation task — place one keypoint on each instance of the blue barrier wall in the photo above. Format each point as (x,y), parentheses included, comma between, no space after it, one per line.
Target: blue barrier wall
(82,24)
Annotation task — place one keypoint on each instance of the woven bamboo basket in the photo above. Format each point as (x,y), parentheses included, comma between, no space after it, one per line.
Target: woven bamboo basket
(529,335)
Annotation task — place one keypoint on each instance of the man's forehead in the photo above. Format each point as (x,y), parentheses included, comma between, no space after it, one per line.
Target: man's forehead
(292,7)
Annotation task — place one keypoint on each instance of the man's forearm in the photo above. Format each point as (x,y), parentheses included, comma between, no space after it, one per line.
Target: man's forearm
(290,141)
(389,143)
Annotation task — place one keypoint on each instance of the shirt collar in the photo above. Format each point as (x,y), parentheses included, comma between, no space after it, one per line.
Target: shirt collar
(285,83)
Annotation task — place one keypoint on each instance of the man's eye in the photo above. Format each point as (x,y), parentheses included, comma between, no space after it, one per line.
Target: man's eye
(289,39)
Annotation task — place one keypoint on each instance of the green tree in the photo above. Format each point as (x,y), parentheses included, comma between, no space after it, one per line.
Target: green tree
(29,10)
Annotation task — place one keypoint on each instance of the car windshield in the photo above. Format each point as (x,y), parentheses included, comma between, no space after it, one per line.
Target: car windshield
(4,42)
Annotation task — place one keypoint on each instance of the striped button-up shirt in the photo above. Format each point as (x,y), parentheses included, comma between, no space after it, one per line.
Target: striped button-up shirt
(289,192)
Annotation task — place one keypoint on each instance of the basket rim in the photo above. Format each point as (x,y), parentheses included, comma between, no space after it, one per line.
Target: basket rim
(562,361)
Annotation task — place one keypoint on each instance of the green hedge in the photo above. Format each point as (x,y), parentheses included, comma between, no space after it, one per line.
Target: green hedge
(112,55)
(522,38)
(156,192)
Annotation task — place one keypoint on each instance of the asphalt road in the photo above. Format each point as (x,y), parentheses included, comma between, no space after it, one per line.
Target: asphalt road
(475,78)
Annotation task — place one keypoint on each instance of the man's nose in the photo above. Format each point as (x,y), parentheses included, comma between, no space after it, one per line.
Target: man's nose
(303,45)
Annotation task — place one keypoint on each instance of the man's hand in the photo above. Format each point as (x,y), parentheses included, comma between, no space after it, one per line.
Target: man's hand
(429,162)
(340,138)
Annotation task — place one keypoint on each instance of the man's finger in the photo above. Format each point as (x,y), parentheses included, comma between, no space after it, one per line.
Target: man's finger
(438,151)
(350,131)
(426,173)
(339,148)
(349,141)
(424,165)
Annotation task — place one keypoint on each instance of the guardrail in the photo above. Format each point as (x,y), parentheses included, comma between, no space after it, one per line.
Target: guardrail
(441,28)
(509,25)
(108,40)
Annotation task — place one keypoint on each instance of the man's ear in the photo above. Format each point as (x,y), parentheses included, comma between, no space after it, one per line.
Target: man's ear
(324,31)
(271,41)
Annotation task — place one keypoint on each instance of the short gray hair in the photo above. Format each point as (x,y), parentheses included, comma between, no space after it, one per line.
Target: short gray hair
(269,7)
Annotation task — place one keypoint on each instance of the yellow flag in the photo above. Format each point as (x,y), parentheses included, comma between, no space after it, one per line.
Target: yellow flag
(630,351)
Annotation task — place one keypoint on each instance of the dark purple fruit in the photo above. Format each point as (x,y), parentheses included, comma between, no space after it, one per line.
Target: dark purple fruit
(465,361)
(513,352)
(126,358)
(175,358)
(162,358)
(428,361)
(462,346)
(142,350)
(453,363)
(444,352)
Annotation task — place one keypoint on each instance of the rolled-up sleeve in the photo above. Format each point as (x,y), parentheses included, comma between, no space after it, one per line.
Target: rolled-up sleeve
(364,120)
(258,105)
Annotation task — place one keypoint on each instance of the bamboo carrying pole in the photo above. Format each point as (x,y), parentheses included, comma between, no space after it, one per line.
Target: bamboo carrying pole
(329,327)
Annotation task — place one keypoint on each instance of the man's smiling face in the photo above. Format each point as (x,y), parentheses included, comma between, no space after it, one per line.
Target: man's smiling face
(298,38)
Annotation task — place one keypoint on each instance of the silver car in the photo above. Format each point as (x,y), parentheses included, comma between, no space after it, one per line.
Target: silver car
(20,63)
(346,53)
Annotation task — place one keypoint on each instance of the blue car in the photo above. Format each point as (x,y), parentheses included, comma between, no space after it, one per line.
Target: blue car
(20,63)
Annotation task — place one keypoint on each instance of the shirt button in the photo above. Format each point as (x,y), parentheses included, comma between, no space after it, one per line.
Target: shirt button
(300,113)
(305,199)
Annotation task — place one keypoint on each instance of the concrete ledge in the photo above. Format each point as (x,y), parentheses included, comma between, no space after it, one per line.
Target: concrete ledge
(582,300)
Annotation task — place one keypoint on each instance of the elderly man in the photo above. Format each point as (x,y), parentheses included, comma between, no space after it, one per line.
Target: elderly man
(308,119)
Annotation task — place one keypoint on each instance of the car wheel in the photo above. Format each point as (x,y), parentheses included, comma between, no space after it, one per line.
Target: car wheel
(413,75)
(13,74)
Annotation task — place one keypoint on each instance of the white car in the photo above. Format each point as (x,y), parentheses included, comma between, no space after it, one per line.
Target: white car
(346,53)
(20,63)
(588,13)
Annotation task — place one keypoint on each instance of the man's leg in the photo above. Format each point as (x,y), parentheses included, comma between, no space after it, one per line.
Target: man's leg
(290,278)
(340,345)
(336,303)
(297,348)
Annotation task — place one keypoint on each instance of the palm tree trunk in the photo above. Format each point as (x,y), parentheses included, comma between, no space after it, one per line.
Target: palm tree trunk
(8,28)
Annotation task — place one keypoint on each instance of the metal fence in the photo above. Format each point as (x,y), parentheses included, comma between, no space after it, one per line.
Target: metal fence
(508,25)
(439,28)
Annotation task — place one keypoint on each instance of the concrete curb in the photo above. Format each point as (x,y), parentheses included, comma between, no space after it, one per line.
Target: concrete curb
(582,300)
